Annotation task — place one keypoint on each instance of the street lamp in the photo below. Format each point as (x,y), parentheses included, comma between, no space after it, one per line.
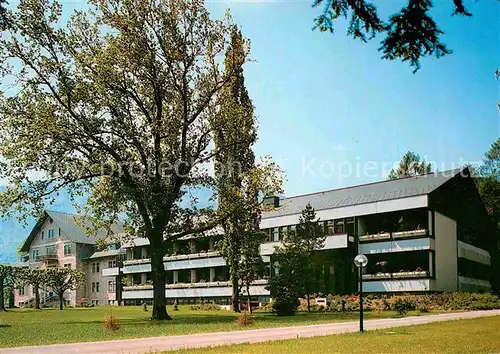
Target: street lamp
(361,261)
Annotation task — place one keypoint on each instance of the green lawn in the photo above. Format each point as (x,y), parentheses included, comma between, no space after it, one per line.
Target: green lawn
(463,336)
(19,327)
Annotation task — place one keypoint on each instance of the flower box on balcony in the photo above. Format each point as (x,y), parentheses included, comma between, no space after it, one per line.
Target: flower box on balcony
(412,233)
(376,276)
(415,274)
(137,261)
(375,237)
(138,287)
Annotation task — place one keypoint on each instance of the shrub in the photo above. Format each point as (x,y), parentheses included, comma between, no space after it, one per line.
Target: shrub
(244,319)
(82,302)
(268,307)
(403,305)
(205,306)
(112,322)
(285,307)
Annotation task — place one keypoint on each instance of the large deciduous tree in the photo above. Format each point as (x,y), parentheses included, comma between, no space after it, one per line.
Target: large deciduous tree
(410,165)
(6,275)
(36,277)
(61,280)
(408,34)
(120,103)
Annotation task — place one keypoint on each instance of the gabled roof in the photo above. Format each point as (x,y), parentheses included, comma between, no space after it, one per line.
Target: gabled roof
(73,231)
(365,193)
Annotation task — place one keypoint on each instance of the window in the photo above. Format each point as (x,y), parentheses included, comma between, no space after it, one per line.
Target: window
(67,250)
(51,234)
(51,250)
(96,286)
(339,226)
(93,287)
(349,227)
(67,265)
(42,234)
(95,267)
(22,291)
(282,232)
(329,227)
(111,264)
(111,286)
(59,231)
(95,302)
(36,254)
(276,234)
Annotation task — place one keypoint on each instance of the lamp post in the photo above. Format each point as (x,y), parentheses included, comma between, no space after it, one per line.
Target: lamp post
(361,261)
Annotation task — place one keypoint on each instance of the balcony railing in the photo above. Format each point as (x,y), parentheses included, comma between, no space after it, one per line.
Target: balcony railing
(174,258)
(209,284)
(48,256)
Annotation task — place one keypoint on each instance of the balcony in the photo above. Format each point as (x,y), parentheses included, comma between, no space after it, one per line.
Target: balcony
(110,272)
(192,290)
(397,285)
(331,242)
(48,257)
(391,246)
(207,254)
(174,258)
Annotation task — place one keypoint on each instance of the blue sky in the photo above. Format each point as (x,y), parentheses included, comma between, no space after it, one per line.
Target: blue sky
(328,104)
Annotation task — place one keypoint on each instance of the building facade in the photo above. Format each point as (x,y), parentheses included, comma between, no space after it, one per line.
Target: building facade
(428,233)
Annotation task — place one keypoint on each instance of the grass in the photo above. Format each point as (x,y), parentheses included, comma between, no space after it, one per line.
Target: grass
(21,327)
(463,336)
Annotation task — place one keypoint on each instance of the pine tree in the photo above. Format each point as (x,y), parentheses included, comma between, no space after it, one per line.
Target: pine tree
(410,165)
(297,270)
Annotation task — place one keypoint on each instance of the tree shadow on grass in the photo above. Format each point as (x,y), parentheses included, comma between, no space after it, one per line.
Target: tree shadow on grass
(5,325)
(177,320)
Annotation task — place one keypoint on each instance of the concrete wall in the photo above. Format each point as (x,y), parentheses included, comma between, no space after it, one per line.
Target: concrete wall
(446,254)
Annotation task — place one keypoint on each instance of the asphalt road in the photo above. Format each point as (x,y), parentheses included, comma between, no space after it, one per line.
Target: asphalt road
(157,344)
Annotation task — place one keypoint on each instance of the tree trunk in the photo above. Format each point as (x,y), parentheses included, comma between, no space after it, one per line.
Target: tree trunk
(159,277)
(61,300)
(308,302)
(249,302)
(36,291)
(235,301)
(2,301)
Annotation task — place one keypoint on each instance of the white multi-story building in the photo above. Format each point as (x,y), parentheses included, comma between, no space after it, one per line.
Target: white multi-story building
(428,233)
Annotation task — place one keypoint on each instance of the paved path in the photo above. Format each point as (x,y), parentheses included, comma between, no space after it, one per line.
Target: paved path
(156,344)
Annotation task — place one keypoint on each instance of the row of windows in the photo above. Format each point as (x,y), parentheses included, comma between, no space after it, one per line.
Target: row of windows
(95,267)
(50,234)
(327,228)
(52,250)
